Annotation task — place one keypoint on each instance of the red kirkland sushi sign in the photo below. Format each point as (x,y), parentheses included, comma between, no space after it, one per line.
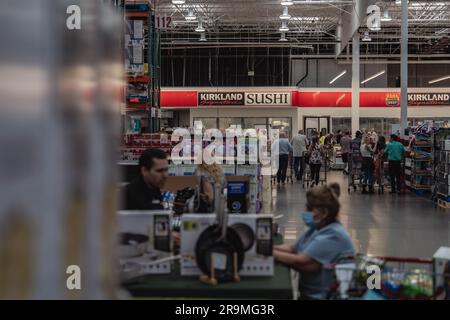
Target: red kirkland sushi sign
(244,99)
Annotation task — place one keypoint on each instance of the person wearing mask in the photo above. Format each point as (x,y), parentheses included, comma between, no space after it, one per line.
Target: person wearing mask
(367,165)
(395,152)
(299,146)
(346,142)
(325,242)
(144,193)
(315,154)
(284,149)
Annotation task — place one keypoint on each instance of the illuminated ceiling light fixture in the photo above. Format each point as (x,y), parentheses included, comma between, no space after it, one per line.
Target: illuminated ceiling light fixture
(439,79)
(338,76)
(190,16)
(285,15)
(202,37)
(178,1)
(366,38)
(284,27)
(386,17)
(283,37)
(200,27)
(287,3)
(374,76)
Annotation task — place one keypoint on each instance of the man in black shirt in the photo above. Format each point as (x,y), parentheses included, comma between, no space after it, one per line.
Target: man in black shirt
(144,193)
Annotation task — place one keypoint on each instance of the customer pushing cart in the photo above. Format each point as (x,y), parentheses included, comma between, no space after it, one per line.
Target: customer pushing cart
(317,164)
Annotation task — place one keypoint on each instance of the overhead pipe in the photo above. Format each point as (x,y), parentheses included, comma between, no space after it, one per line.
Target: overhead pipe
(306,74)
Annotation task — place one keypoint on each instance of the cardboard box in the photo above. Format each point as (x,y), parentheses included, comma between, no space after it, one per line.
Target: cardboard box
(441,271)
(156,225)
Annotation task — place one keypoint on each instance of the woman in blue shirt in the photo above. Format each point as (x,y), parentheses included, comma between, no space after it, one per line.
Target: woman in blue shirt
(324,243)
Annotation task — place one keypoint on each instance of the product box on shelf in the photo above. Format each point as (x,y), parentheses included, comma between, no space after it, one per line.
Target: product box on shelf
(254,229)
(441,271)
(144,238)
(446,145)
(186,169)
(229,169)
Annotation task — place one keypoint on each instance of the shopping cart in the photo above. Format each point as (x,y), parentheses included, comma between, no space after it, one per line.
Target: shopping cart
(388,278)
(355,171)
(380,170)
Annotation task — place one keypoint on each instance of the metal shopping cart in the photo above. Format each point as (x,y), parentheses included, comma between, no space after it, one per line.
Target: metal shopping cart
(380,170)
(389,278)
(355,171)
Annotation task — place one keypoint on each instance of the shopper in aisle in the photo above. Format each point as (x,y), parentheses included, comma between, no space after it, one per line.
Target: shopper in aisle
(325,242)
(144,193)
(395,152)
(284,149)
(322,138)
(374,135)
(315,154)
(299,147)
(367,165)
(345,142)
(338,136)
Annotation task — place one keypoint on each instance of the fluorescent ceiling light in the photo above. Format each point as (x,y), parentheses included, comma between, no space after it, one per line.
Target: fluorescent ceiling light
(287,3)
(439,79)
(285,15)
(283,37)
(200,27)
(366,38)
(386,17)
(374,76)
(178,1)
(190,16)
(338,76)
(284,26)
(306,19)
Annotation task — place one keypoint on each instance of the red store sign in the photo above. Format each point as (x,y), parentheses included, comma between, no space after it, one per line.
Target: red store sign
(310,99)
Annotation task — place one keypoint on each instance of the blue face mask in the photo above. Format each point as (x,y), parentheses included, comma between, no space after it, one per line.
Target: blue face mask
(308,219)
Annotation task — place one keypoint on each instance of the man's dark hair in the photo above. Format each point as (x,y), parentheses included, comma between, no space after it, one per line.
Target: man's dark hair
(146,160)
(394,137)
(347,132)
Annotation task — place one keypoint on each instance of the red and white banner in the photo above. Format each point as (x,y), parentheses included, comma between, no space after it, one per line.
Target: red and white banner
(301,99)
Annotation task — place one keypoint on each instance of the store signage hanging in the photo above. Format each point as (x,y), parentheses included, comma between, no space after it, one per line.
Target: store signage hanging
(221,99)
(428,99)
(244,99)
(268,99)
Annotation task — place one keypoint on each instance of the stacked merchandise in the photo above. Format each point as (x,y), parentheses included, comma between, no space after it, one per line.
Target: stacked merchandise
(253,172)
(441,188)
(419,161)
(133,145)
(142,67)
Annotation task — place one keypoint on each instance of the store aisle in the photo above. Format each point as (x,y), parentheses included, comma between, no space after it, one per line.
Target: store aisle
(406,225)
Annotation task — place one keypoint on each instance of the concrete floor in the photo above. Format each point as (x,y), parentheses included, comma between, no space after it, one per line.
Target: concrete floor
(404,226)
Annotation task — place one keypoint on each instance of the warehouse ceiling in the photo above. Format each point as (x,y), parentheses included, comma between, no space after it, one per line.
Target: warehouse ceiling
(312,26)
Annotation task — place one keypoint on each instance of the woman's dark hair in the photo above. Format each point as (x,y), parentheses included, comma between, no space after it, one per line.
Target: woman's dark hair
(315,140)
(146,159)
(381,143)
(325,199)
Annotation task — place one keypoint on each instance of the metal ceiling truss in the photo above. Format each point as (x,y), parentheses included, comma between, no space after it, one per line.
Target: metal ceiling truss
(257,22)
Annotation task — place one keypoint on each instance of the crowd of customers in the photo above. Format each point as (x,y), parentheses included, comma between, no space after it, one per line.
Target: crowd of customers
(368,149)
